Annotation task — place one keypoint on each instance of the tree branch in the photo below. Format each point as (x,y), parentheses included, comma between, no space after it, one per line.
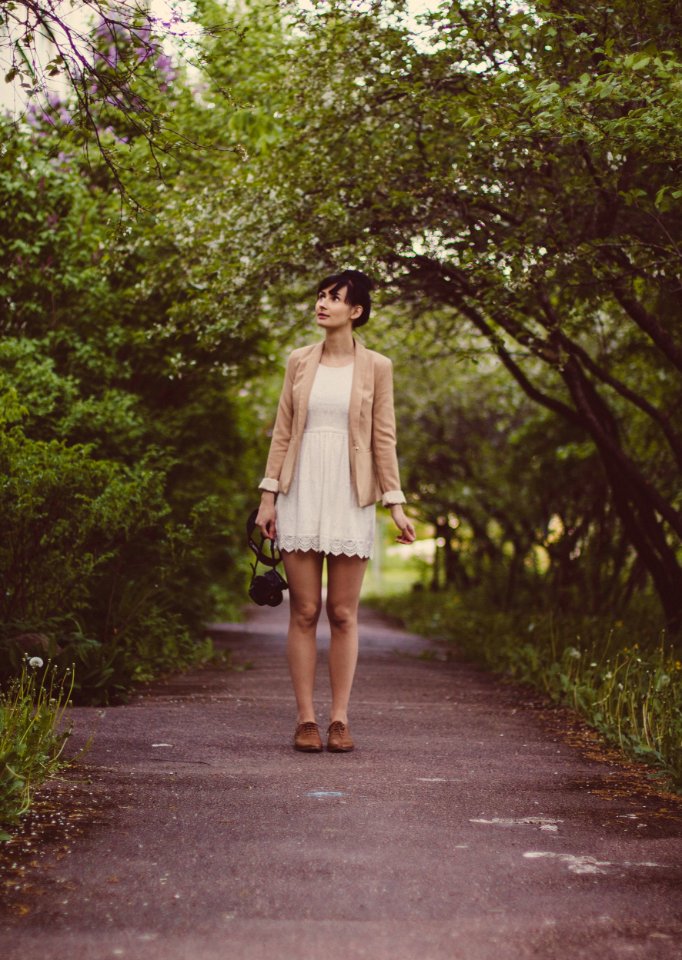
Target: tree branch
(674,441)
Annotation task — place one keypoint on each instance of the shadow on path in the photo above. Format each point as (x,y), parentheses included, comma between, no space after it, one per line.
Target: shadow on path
(460,827)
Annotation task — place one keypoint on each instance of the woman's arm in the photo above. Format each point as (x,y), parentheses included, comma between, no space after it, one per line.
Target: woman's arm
(384,449)
(384,435)
(266,520)
(279,444)
(281,433)
(407,532)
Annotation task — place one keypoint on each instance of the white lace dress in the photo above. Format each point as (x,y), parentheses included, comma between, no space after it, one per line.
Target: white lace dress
(320,511)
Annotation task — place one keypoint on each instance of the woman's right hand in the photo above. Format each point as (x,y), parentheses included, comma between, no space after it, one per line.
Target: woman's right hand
(266,521)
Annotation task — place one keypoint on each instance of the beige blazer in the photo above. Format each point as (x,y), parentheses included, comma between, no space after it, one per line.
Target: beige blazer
(371,425)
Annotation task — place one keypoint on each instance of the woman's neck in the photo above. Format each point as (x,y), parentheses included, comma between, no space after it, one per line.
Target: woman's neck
(338,344)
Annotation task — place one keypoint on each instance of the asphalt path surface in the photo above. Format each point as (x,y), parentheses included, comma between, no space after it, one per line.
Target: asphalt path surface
(470,822)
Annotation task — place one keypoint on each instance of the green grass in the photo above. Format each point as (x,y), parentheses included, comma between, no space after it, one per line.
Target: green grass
(32,740)
(624,678)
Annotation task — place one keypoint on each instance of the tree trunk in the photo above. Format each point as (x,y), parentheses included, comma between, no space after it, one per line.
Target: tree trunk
(631,499)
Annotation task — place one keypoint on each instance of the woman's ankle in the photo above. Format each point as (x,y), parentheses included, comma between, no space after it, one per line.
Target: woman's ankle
(305,718)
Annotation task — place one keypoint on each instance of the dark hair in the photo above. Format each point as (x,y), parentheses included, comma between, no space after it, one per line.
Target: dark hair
(358,286)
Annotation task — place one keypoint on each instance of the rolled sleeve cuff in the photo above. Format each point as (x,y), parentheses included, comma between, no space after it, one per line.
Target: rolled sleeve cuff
(392,497)
(272,486)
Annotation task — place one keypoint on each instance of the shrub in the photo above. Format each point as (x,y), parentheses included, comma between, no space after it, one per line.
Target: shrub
(31,735)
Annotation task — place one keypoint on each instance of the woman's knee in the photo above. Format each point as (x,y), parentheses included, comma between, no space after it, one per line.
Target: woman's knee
(342,616)
(305,613)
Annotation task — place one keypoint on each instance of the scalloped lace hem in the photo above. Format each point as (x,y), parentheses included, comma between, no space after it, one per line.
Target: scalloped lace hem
(350,548)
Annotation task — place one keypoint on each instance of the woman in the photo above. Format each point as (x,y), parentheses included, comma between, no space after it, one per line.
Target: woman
(332,456)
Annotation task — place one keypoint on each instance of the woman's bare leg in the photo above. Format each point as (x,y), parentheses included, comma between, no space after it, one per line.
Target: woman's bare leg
(304,576)
(344,579)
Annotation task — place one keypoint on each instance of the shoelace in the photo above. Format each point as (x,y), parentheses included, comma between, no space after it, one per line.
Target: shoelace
(308,727)
(337,727)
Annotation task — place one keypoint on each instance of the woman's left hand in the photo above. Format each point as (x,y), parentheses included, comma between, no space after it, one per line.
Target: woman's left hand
(407,532)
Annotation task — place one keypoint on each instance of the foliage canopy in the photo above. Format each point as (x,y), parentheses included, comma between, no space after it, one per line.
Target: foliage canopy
(510,175)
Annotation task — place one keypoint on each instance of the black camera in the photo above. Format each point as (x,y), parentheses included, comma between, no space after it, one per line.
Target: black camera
(267,589)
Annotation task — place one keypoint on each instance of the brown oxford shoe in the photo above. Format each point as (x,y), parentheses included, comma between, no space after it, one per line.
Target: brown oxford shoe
(307,737)
(338,738)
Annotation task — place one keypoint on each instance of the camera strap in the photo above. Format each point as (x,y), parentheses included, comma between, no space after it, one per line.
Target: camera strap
(260,549)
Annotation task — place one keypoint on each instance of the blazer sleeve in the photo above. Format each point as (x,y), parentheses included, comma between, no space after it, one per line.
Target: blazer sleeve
(281,434)
(384,436)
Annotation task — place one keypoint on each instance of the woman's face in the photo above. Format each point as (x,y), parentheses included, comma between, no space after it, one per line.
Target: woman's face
(333,312)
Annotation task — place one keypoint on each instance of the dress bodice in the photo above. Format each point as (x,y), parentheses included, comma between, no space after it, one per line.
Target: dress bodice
(329,400)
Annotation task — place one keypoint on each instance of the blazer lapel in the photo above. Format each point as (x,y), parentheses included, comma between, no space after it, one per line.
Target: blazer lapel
(309,364)
(362,364)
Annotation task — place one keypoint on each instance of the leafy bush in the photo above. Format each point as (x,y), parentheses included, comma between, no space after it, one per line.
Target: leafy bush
(91,558)
(67,513)
(126,448)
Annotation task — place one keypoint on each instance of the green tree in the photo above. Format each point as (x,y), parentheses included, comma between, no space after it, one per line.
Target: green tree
(514,493)
(515,167)
(124,370)
(113,60)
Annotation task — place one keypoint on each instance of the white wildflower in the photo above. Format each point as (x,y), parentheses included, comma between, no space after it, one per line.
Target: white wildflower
(35,663)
